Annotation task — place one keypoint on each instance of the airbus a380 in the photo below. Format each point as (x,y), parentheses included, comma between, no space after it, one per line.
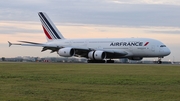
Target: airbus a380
(97,50)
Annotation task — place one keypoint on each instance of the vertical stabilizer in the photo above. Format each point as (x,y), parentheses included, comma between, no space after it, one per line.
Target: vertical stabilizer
(50,30)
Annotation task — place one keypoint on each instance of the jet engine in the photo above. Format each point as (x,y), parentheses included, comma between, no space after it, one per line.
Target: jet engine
(66,52)
(97,55)
(135,58)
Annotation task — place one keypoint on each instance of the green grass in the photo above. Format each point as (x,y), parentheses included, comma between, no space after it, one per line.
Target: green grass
(88,82)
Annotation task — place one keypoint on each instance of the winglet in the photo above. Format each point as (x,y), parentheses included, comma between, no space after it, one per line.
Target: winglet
(9,44)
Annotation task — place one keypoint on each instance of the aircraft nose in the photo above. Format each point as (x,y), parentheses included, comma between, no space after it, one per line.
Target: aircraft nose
(167,51)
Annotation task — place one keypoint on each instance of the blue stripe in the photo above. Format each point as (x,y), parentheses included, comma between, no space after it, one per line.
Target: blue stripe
(47,29)
(49,25)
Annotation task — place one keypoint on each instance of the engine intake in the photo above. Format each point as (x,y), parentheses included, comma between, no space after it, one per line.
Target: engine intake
(97,55)
(66,52)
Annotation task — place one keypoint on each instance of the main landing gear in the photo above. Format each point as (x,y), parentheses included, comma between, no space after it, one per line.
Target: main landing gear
(110,61)
(96,61)
(100,61)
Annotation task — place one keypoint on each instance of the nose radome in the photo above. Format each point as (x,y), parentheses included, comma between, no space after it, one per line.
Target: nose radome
(167,51)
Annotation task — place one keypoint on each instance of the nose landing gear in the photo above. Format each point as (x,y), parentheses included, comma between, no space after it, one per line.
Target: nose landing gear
(159,60)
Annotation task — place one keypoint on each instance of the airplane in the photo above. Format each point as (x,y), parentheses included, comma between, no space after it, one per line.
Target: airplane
(98,50)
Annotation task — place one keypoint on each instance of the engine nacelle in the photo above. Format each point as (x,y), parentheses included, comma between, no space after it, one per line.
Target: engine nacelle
(66,52)
(97,55)
(135,58)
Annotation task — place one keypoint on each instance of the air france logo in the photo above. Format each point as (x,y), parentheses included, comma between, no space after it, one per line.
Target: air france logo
(128,44)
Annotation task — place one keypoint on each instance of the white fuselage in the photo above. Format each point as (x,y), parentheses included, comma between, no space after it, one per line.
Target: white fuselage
(135,47)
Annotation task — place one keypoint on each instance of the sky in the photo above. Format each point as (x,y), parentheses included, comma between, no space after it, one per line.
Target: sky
(157,19)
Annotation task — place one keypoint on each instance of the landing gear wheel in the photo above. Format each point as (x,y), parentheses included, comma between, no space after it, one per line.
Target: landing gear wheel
(96,61)
(110,61)
(159,60)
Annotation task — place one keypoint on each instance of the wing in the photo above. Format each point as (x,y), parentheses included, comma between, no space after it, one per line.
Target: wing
(79,51)
(27,44)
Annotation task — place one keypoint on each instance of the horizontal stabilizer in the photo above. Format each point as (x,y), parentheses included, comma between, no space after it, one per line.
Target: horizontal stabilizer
(29,42)
(9,44)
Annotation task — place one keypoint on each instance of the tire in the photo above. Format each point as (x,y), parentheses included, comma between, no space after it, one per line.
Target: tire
(110,61)
(96,61)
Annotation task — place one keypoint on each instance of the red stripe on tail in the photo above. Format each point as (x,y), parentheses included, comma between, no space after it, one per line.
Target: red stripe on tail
(47,34)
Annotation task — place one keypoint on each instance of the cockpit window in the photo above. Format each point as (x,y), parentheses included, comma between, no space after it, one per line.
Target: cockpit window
(163,46)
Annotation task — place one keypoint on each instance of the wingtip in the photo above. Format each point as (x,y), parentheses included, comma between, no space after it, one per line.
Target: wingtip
(9,44)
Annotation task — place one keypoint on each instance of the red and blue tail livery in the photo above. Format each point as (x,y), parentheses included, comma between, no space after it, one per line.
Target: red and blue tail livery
(49,28)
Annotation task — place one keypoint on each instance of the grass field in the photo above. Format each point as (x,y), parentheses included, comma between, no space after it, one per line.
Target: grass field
(88,82)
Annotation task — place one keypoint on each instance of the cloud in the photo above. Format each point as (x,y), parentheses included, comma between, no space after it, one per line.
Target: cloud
(164,16)
(163,30)
(163,2)
(16,27)
(166,32)
(97,12)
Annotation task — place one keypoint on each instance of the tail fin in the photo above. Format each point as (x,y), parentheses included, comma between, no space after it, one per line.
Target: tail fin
(50,30)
